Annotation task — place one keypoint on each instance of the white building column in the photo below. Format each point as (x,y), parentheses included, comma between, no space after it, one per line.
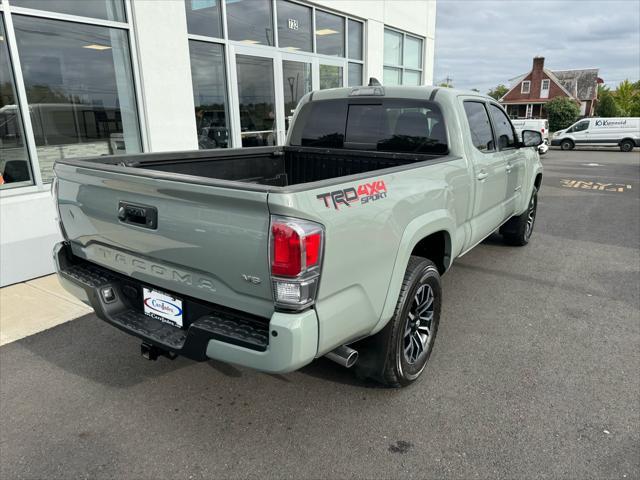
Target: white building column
(165,74)
(374,50)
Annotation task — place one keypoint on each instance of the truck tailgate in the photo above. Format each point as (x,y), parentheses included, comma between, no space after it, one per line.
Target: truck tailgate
(208,242)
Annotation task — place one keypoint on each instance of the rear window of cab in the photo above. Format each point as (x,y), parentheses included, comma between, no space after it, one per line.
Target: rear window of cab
(384,125)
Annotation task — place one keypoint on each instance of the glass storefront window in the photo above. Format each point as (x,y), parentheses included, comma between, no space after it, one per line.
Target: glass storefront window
(296,84)
(329,34)
(79,87)
(411,77)
(355,40)
(250,21)
(294,26)
(257,102)
(392,76)
(204,17)
(104,9)
(392,47)
(330,76)
(209,94)
(355,74)
(14,159)
(412,52)
(402,58)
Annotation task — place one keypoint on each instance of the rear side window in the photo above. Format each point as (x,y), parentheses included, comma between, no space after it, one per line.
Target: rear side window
(388,125)
(504,129)
(478,118)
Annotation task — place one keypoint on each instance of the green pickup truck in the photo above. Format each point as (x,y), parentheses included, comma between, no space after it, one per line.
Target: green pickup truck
(331,245)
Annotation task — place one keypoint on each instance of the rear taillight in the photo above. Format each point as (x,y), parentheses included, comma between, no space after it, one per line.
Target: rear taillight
(296,256)
(542,130)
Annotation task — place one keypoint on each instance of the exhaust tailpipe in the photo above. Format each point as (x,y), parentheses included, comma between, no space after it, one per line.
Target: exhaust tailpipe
(345,356)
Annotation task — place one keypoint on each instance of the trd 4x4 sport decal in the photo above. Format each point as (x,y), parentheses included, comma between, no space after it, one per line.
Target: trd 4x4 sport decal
(363,194)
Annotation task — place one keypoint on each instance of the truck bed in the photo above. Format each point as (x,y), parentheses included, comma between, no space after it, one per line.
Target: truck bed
(272,166)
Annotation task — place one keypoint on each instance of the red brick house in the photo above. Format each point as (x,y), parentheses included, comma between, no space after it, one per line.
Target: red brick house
(531,91)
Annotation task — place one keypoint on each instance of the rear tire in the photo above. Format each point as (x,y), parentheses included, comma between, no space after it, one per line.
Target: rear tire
(567,145)
(626,145)
(517,231)
(398,354)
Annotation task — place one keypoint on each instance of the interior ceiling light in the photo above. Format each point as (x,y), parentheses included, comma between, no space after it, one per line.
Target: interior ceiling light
(326,31)
(252,42)
(95,46)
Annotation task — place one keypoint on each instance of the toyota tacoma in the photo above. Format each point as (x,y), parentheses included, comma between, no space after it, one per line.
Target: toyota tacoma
(330,245)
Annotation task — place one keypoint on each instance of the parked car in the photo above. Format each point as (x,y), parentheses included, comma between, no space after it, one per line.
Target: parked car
(541,125)
(333,244)
(600,132)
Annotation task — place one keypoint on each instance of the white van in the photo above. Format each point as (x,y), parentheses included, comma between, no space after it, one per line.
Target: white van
(600,132)
(539,125)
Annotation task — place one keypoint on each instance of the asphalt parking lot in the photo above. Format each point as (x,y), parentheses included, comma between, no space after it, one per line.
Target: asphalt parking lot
(534,374)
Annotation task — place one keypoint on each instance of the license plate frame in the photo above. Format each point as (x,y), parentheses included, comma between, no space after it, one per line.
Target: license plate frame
(163,307)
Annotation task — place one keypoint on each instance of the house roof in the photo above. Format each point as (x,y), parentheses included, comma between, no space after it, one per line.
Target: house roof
(582,83)
(579,83)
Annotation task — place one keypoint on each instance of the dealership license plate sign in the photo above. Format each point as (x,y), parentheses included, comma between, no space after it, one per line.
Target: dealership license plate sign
(163,307)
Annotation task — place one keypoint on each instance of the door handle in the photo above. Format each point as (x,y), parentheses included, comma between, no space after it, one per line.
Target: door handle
(139,215)
(482,175)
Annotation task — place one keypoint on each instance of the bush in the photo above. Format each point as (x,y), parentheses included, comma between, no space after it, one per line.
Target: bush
(607,106)
(562,112)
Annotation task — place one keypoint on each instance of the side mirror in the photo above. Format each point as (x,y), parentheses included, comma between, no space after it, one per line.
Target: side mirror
(531,138)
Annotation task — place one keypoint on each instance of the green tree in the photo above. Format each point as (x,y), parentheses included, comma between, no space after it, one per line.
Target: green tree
(626,95)
(446,84)
(562,112)
(606,106)
(498,92)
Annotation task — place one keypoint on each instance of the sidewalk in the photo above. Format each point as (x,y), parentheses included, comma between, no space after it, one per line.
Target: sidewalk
(39,304)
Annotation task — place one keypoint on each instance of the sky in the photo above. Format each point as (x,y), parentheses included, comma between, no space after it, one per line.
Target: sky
(480,43)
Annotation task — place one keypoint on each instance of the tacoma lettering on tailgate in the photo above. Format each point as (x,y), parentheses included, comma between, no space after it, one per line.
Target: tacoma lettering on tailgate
(363,194)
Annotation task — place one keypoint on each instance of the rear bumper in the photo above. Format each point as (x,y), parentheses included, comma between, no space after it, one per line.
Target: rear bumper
(283,343)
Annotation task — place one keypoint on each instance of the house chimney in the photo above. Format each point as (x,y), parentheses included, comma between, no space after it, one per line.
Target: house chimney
(538,64)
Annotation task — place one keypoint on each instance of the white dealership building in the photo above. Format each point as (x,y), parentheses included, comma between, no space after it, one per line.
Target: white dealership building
(99,77)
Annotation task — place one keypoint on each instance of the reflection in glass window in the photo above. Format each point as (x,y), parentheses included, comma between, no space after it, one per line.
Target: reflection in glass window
(392,47)
(329,34)
(209,94)
(412,52)
(396,126)
(330,77)
(257,101)
(392,76)
(504,130)
(14,160)
(355,40)
(79,88)
(250,21)
(355,74)
(294,26)
(204,17)
(104,9)
(296,83)
(320,124)
(479,126)
(393,125)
